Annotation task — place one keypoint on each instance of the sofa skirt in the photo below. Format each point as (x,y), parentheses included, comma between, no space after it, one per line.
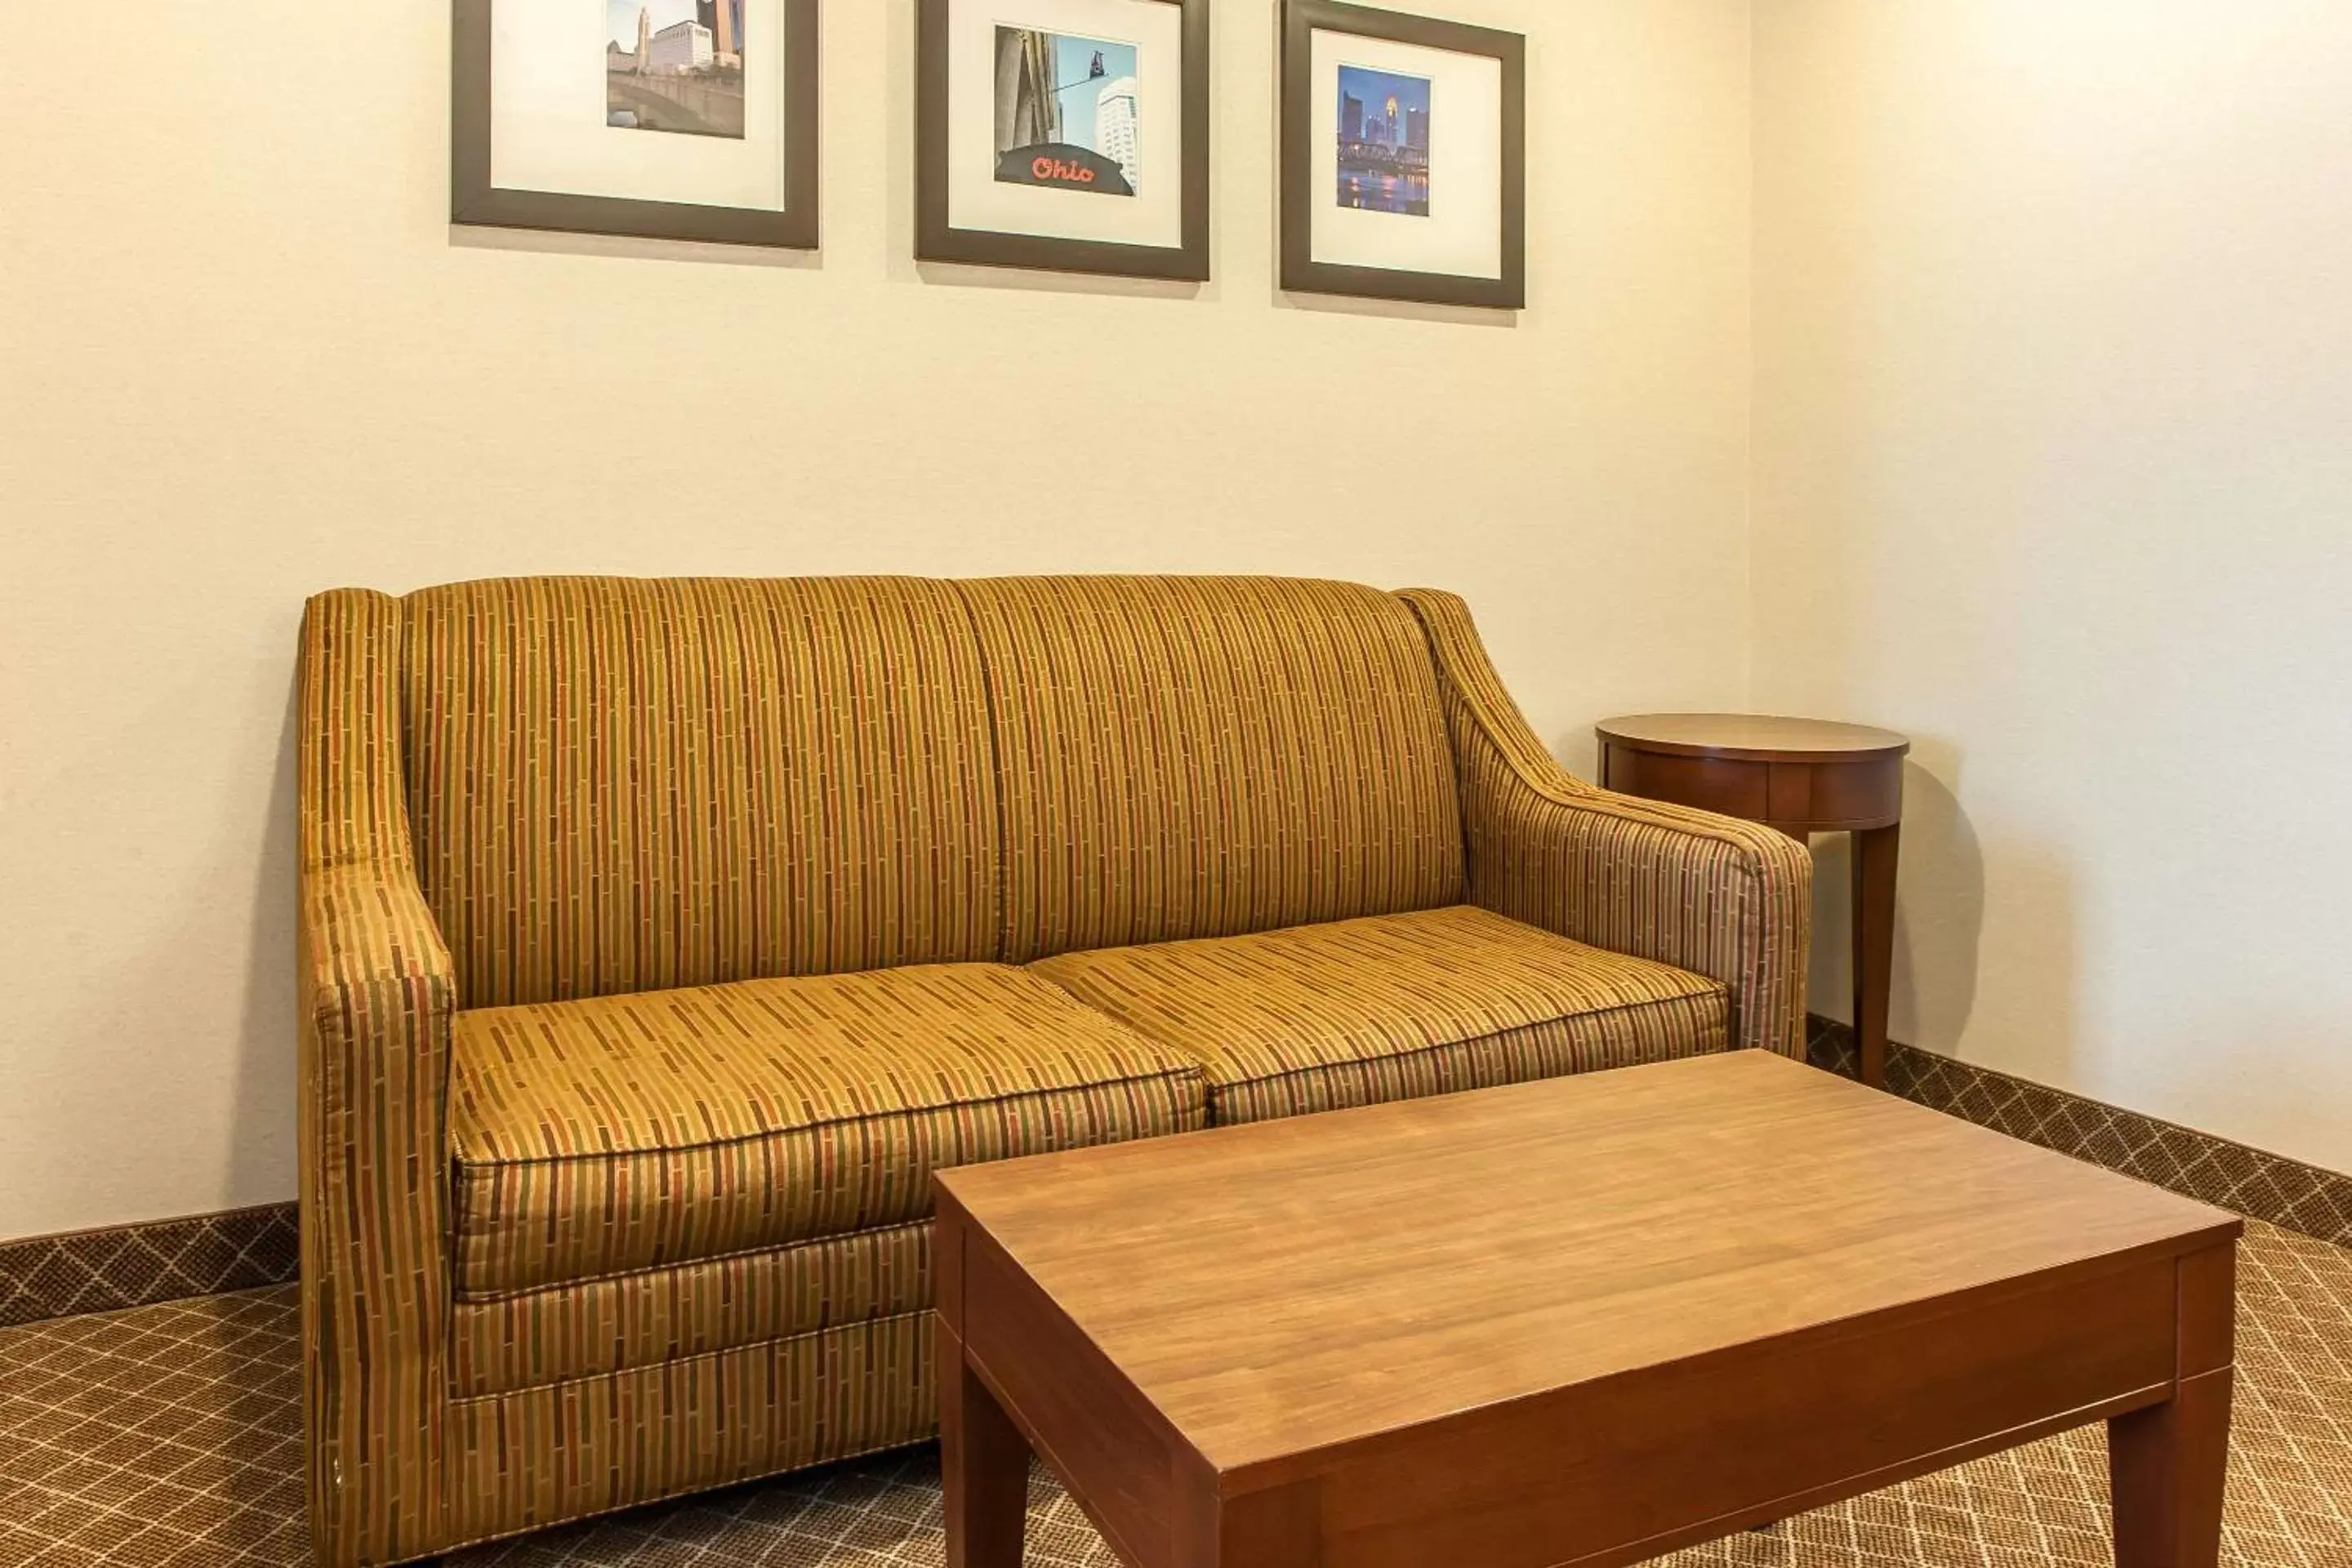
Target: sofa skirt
(539,1456)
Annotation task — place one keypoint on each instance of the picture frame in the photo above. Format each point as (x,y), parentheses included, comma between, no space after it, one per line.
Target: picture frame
(1371,210)
(741,175)
(1009,171)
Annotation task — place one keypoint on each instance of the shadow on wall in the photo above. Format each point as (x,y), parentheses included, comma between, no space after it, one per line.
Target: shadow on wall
(628,248)
(266,1073)
(1938,911)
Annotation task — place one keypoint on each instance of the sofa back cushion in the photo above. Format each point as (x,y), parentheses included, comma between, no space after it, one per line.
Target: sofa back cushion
(1209,756)
(622,785)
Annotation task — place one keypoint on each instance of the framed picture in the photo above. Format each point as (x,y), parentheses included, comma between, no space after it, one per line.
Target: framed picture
(673,118)
(1403,157)
(1071,135)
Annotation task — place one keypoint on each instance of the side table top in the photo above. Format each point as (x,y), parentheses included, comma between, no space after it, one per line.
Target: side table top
(1750,737)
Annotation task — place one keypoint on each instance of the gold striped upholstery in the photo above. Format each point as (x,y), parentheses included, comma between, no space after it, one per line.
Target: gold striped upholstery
(622,786)
(522,1461)
(1194,757)
(622,1132)
(1321,1017)
(1722,898)
(376,993)
(653,947)
(654,1315)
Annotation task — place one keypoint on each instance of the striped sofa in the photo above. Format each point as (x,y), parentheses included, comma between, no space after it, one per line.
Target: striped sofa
(659,939)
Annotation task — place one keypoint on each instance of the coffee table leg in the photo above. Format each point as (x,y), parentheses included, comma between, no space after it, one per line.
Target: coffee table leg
(2165,1466)
(984,1465)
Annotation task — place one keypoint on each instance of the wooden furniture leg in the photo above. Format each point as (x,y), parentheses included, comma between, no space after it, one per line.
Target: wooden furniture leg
(984,1465)
(1874,851)
(2166,1468)
(2167,1464)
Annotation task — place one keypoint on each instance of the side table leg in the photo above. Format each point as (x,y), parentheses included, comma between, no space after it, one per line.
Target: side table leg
(1874,851)
(2167,1468)
(983,1464)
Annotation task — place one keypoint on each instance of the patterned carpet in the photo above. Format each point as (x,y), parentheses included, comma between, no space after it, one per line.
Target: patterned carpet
(170,1435)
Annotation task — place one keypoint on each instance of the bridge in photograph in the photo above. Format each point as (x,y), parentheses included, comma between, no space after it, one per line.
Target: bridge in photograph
(697,106)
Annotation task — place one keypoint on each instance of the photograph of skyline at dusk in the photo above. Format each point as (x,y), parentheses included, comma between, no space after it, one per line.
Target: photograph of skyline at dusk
(1384,131)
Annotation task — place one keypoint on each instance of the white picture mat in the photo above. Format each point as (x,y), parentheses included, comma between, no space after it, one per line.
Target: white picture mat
(1155,215)
(547,115)
(1463,235)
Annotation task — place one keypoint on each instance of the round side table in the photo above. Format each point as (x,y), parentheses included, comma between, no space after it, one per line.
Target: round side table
(1802,777)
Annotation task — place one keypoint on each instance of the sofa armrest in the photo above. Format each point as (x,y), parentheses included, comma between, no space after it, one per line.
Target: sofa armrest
(377,992)
(1715,895)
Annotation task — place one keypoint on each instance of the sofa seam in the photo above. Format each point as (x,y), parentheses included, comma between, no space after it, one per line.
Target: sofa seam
(1002,912)
(504,1298)
(1716,988)
(683,1361)
(1179,1072)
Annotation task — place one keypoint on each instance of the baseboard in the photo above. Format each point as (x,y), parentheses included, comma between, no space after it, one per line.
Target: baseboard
(138,1264)
(2287,1192)
(206,1255)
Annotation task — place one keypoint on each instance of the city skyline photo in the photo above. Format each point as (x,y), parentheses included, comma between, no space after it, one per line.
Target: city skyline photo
(620,18)
(675,65)
(1067,112)
(1384,134)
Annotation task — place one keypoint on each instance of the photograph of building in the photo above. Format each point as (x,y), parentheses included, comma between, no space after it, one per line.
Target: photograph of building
(1068,112)
(675,65)
(1383,130)
(724,20)
(681,47)
(1116,113)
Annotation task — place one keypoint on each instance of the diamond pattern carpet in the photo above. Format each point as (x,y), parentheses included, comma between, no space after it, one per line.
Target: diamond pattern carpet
(171,1435)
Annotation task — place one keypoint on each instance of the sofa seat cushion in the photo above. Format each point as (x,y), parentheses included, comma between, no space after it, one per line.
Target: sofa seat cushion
(596,1137)
(1395,1007)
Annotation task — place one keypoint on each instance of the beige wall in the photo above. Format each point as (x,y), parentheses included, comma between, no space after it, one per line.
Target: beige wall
(2054,469)
(246,359)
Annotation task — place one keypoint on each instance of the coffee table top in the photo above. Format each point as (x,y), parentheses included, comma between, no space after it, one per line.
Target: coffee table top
(1284,1286)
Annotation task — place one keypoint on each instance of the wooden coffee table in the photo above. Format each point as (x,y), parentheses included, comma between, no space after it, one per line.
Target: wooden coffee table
(1583,1320)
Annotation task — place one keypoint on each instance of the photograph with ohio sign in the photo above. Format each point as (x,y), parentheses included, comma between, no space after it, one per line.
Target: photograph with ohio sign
(1068,135)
